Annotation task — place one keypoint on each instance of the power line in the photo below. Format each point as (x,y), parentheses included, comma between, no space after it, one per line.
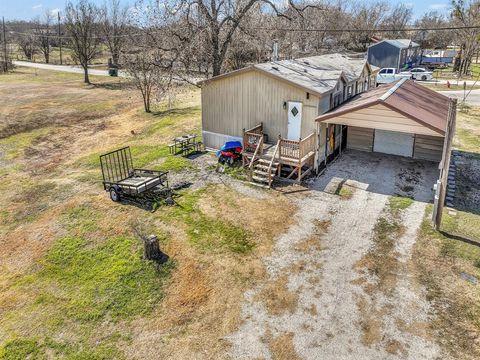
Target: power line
(325,30)
(445,28)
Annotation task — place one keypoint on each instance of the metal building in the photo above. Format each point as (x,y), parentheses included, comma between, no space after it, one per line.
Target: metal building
(398,54)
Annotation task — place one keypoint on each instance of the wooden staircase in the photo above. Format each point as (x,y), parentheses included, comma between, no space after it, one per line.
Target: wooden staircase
(264,167)
(264,161)
(263,172)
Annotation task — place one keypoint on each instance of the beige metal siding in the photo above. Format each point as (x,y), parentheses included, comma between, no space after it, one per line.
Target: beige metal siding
(231,104)
(382,118)
(360,138)
(428,147)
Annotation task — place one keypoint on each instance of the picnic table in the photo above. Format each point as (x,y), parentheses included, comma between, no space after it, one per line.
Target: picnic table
(185,144)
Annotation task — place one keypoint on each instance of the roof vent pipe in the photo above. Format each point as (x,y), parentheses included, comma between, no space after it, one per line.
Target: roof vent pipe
(275,50)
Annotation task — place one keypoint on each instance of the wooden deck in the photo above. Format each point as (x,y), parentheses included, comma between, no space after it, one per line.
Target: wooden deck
(266,160)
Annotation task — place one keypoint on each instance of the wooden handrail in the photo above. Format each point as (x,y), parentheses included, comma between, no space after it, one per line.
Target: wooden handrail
(270,178)
(307,145)
(259,145)
(289,148)
(257,129)
(250,142)
(297,149)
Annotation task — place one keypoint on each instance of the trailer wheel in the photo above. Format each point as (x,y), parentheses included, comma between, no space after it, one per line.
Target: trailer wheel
(114,195)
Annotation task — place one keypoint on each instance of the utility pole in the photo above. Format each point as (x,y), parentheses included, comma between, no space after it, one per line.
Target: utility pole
(5,64)
(59,38)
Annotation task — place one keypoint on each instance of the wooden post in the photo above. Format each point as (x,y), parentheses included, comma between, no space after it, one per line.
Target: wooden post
(341,140)
(444,165)
(300,155)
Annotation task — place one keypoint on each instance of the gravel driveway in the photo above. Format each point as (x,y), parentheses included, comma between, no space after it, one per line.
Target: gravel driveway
(327,310)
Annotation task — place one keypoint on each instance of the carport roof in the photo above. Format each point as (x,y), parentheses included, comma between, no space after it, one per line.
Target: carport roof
(427,107)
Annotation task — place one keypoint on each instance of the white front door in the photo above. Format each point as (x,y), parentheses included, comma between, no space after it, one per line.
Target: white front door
(294,120)
(393,142)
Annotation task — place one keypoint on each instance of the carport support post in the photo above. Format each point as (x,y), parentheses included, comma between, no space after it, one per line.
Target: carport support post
(341,138)
(444,165)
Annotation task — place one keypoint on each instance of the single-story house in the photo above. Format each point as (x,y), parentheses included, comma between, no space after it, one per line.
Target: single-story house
(398,54)
(401,118)
(268,93)
(280,100)
(295,116)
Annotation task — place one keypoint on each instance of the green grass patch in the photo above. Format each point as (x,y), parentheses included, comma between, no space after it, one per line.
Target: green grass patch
(168,118)
(236,172)
(399,203)
(214,234)
(15,145)
(22,348)
(464,225)
(346,192)
(81,220)
(468,140)
(153,157)
(109,279)
(440,261)
(206,233)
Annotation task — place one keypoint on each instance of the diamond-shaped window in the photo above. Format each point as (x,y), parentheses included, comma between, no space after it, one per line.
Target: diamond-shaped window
(294,111)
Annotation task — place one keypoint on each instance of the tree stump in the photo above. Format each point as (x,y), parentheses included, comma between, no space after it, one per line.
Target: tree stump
(151,249)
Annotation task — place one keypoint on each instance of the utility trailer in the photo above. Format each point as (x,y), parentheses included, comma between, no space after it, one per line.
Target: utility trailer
(124,182)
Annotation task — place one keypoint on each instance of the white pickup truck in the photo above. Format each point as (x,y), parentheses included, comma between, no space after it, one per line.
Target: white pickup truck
(388,75)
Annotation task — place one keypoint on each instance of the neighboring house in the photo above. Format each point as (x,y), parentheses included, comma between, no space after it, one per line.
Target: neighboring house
(278,102)
(398,54)
(402,118)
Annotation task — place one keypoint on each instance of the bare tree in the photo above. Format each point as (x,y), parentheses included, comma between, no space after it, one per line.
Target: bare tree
(151,72)
(81,23)
(215,21)
(27,43)
(5,59)
(399,18)
(366,17)
(432,38)
(466,13)
(43,32)
(115,27)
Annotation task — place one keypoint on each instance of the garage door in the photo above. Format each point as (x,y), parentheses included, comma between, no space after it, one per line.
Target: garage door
(392,142)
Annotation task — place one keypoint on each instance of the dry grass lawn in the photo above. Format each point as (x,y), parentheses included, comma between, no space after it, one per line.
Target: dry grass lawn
(72,281)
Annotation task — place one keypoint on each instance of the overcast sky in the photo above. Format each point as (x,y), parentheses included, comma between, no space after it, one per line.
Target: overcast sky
(29,9)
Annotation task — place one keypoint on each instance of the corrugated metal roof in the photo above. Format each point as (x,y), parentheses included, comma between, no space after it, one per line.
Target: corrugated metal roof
(318,74)
(402,43)
(415,101)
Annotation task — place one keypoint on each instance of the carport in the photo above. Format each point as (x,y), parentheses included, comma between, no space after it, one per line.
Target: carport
(401,118)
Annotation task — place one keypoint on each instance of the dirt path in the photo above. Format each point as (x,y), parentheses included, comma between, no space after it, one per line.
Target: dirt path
(321,313)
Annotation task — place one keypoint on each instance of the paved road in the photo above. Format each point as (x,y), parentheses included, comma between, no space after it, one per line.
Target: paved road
(91,71)
(473,98)
(65,68)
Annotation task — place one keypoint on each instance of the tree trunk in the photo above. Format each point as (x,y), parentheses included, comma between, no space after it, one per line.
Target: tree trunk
(115,59)
(85,71)
(151,249)
(146,102)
